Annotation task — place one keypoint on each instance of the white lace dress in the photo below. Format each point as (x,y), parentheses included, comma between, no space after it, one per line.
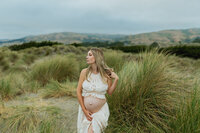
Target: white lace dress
(97,89)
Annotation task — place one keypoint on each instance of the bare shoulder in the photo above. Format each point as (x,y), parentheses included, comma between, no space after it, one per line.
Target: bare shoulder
(83,72)
(81,80)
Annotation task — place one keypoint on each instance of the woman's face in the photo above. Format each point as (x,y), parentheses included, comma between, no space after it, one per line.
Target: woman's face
(90,58)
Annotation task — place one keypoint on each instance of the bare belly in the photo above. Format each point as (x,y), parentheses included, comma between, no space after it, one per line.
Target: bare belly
(93,104)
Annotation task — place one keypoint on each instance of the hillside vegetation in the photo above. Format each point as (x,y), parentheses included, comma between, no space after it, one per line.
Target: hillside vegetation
(156,92)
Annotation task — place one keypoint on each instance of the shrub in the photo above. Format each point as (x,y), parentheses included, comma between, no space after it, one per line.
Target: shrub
(29,58)
(33,44)
(55,67)
(147,94)
(11,85)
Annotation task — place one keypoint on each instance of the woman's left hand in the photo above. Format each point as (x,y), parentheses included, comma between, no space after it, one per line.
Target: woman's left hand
(114,75)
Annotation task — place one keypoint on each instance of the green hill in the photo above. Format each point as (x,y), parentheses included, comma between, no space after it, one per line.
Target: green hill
(66,38)
(164,36)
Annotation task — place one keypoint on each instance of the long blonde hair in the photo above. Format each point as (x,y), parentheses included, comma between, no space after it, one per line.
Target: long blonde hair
(102,67)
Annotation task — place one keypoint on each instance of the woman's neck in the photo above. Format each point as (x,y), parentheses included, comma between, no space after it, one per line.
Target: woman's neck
(94,68)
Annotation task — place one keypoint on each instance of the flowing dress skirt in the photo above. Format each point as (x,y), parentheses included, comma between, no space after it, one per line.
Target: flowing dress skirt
(99,120)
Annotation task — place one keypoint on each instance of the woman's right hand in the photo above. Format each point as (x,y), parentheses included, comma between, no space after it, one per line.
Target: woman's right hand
(88,115)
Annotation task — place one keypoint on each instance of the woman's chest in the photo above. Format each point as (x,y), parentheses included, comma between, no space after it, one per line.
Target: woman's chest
(94,85)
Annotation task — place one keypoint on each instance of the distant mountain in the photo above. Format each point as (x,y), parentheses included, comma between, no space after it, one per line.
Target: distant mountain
(67,38)
(21,40)
(163,37)
(4,39)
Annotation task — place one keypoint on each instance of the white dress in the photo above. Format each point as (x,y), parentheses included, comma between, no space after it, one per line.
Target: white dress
(98,89)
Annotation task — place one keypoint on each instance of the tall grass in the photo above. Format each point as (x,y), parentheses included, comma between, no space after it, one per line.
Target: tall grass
(33,86)
(187,117)
(11,85)
(11,61)
(114,59)
(5,89)
(55,67)
(4,64)
(13,56)
(82,60)
(29,58)
(56,89)
(147,95)
(69,48)
(32,119)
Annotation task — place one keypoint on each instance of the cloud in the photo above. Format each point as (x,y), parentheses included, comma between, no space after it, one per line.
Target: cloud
(24,17)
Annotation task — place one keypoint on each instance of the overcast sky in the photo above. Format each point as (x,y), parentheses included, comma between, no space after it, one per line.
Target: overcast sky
(19,18)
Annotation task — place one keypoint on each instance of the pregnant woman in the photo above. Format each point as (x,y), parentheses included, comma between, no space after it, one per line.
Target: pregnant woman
(94,82)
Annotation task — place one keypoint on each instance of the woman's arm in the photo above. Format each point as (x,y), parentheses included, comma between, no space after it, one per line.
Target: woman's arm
(79,89)
(112,86)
